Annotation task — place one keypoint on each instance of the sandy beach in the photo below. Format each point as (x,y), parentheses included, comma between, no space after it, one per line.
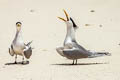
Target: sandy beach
(99,30)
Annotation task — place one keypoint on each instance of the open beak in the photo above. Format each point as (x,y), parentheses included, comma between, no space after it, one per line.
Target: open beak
(65,15)
(62,19)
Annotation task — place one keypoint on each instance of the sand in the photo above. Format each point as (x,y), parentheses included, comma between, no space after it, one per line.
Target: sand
(99,30)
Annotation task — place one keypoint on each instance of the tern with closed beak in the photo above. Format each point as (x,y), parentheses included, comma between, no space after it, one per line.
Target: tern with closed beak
(71,49)
(18,47)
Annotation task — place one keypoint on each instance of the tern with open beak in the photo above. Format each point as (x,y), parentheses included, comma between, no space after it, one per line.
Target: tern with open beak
(71,49)
(18,47)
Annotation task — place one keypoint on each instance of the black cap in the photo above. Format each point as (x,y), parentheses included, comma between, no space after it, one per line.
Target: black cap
(18,23)
(74,25)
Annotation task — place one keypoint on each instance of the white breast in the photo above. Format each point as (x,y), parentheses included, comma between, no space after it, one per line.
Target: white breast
(18,44)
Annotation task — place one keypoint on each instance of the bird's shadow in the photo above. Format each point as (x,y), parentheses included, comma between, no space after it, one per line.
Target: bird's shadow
(18,63)
(65,64)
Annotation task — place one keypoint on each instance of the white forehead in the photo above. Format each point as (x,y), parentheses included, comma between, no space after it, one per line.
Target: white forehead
(69,23)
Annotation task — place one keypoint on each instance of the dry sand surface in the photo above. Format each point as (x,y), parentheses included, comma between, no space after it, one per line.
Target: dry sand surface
(99,30)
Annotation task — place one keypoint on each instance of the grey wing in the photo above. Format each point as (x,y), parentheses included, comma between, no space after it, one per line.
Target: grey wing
(11,51)
(99,54)
(76,45)
(28,52)
(75,53)
(60,50)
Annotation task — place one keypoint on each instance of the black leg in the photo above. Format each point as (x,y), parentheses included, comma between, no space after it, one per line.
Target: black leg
(23,60)
(16,59)
(76,62)
(73,62)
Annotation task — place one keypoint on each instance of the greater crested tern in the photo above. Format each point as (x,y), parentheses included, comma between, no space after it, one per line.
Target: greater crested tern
(71,49)
(18,47)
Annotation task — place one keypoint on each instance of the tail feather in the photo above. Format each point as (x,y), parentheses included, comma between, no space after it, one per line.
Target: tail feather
(99,54)
(29,43)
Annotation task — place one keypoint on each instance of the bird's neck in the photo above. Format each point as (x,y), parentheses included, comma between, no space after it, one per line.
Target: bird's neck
(70,36)
(18,36)
(18,33)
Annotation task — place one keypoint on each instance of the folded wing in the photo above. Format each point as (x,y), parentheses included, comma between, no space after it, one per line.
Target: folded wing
(28,50)
(75,53)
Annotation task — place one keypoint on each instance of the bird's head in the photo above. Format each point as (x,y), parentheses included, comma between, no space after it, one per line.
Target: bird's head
(69,21)
(18,25)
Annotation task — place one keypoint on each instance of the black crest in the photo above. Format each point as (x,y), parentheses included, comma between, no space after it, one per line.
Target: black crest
(74,25)
(18,23)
